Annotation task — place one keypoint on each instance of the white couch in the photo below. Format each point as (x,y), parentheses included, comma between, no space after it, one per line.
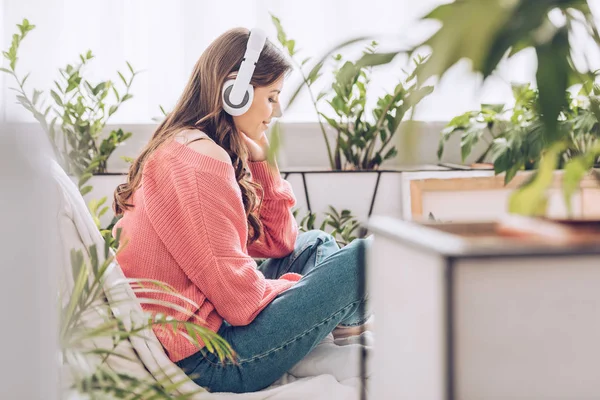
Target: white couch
(329,372)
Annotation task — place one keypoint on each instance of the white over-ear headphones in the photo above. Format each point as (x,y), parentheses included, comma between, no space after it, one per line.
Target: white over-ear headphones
(238,93)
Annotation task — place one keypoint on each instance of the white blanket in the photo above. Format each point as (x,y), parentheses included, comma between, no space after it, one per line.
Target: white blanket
(330,371)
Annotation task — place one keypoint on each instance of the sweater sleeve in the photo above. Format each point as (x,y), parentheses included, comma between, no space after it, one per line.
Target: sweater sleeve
(280,228)
(200,218)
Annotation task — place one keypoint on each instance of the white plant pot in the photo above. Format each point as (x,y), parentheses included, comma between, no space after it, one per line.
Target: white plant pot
(462,314)
(363,193)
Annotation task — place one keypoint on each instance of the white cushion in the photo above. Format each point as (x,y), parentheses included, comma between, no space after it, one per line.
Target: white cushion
(143,356)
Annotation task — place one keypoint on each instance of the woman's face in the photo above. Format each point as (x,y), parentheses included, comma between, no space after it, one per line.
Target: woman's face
(264,107)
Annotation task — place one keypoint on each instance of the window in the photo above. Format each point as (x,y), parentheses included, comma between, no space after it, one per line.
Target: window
(164,38)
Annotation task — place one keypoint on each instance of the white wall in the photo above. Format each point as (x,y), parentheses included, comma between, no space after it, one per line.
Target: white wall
(302,145)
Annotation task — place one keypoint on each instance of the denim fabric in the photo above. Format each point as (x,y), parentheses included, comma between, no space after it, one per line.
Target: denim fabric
(294,323)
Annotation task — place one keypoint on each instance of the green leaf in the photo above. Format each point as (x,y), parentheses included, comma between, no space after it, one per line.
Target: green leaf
(281,36)
(552,76)
(112,110)
(411,100)
(56,98)
(8,71)
(122,78)
(100,87)
(575,170)
(291,47)
(24,80)
(36,96)
(500,155)
(103,211)
(390,154)
(346,76)
(440,151)
(126,97)
(495,108)
(595,106)
(314,74)
(116,93)
(85,190)
(469,139)
(84,178)
(333,123)
(130,67)
(371,60)
(323,58)
(467,32)
(94,259)
(512,171)
(531,199)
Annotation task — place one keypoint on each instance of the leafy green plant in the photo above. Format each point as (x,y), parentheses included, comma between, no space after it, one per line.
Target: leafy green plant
(518,25)
(468,32)
(98,208)
(343,226)
(78,112)
(363,140)
(516,137)
(86,317)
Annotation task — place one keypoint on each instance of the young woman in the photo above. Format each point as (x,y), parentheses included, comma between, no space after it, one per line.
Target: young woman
(201,201)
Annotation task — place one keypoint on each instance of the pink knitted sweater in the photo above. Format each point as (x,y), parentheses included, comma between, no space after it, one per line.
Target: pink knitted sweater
(188,228)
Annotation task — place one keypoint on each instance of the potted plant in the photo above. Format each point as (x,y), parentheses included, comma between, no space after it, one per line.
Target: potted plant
(515,136)
(358,140)
(515,142)
(519,25)
(563,129)
(74,121)
(560,135)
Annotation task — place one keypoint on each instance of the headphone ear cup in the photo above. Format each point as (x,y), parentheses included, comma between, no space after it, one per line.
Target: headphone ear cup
(233,109)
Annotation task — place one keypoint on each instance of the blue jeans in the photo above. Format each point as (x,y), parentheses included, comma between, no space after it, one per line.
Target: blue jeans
(294,323)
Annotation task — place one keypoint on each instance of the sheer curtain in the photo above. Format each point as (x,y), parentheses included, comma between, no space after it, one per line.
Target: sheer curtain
(164,38)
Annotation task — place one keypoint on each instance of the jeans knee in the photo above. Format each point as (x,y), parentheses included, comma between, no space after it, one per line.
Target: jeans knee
(349,265)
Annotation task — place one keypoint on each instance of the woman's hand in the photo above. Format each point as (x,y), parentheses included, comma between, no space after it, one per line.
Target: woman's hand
(257,148)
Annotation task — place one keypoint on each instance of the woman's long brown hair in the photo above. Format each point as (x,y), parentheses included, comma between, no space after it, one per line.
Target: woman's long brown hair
(200,107)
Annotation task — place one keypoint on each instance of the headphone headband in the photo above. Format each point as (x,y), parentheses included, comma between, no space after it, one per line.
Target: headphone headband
(256,42)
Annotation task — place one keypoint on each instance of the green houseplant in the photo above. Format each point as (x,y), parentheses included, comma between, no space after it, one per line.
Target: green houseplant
(467,32)
(515,136)
(359,136)
(362,139)
(518,25)
(74,119)
(77,112)
(342,225)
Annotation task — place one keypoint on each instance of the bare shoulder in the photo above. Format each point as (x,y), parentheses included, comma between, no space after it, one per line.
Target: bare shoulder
(211,149)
